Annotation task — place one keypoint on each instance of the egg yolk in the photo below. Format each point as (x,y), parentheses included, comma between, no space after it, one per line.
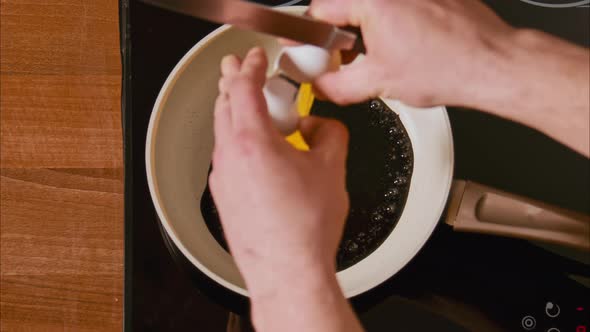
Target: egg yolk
(304,102)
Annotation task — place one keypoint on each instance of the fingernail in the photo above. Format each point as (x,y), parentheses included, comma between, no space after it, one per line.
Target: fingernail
(226,59)
(227,64)
(255,50)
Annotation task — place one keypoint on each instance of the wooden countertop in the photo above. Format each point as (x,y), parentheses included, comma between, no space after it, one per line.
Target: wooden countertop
(62,166)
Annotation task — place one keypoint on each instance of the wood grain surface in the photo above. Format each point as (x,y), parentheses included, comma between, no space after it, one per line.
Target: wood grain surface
(61,166)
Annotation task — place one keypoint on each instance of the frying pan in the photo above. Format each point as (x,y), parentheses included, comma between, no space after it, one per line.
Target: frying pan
(178,154)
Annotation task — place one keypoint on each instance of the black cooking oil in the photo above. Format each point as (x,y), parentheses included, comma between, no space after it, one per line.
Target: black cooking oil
(379,169)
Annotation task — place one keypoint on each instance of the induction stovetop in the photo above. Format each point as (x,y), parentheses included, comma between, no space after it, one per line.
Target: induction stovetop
(482,283)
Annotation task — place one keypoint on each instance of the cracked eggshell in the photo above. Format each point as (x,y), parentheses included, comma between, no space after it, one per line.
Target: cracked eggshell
(281,99)
(304,63)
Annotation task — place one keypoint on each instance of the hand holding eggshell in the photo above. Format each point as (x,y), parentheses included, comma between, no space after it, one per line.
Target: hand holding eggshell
(281,100)
(302,64)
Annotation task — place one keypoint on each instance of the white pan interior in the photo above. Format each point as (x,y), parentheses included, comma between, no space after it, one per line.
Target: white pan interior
(178,154)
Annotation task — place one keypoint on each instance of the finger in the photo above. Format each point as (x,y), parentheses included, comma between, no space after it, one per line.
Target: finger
(254,66)
(230,65)
(223,85)
(353,83)
(222,120)
(326,137)
(339,12)
(248,106)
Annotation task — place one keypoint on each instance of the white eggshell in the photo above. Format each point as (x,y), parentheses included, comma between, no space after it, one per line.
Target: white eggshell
(281,99)
(304,63)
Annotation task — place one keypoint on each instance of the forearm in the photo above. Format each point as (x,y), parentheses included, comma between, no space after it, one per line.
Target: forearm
(540,81)
(308,300)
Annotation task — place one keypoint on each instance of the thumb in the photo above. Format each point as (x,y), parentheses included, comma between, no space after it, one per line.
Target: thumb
(353,83)
(325,137)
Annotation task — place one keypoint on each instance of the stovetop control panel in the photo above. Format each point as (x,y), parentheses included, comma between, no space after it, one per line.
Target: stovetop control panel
(556,317)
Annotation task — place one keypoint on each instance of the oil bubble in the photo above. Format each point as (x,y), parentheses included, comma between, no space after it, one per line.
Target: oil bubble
(375,105)
(377,217)
(391,193)
(390,209)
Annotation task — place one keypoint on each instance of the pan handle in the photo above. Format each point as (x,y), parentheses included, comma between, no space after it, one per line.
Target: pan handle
(477,208)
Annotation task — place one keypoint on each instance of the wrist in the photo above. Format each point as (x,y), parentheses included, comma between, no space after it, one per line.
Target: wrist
(488,74)
(303,299)
(537,80)
(268,280)
(521,70)
(507,77)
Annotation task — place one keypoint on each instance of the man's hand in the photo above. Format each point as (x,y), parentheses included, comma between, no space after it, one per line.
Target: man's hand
(282,210)
(279,207)
(459,53)
(422,52)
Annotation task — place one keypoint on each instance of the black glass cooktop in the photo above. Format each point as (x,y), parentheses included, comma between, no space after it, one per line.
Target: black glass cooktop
(482,283)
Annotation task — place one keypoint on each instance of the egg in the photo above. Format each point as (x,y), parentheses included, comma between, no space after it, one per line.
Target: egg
(304,63)
(281,100)
(304,102)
